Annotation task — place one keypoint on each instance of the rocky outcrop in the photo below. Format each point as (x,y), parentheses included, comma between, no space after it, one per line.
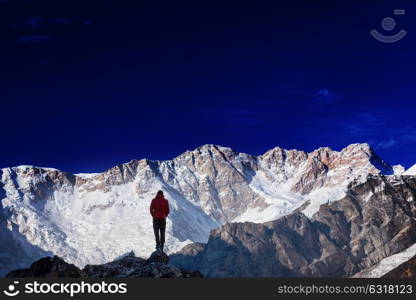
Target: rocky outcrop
(128,266)
(48,267)
(158,257)
(376,219)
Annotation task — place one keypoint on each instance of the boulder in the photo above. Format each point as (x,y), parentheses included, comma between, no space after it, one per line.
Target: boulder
(158,257)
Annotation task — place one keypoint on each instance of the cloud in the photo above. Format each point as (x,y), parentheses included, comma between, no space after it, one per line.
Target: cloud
(407,134)
(367,126)
(35,30)
(29,23)
(356,130)
(325,96)
(364,124)
(386,144)
(34,39)
(369,118)
(320,96)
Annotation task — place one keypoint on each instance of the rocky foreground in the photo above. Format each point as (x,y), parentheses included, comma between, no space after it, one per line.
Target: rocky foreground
(129,266)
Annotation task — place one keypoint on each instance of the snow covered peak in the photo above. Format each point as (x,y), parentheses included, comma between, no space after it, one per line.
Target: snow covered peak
(212,147)
(207,149)
(363,148)
(411,171)
(358,146)
(28,167)
(322,149)
(364,153)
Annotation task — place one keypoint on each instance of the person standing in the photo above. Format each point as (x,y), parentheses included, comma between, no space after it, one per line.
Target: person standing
(159,210)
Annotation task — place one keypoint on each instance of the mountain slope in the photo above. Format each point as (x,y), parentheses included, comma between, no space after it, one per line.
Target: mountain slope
(94,218)
(374,220)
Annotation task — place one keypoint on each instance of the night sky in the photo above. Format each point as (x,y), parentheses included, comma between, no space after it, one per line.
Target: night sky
(86,85)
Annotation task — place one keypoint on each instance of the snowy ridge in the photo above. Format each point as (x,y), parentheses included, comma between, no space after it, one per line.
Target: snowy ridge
(87,175)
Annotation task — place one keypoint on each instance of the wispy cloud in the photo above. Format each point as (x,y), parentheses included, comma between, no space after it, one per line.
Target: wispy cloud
(29,23)
(320,96)
(325,96)
(364,124)
(369,127)
(386,144)
(356,130)
(369,118)
(37,30)
(34,39)
(407,133)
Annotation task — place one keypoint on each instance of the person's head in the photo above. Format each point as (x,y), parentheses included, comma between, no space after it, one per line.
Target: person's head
(159,194)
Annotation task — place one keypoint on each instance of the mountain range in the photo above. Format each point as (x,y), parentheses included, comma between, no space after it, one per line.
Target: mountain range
(285,212)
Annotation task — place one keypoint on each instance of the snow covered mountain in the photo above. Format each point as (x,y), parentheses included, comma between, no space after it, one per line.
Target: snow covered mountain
(95,218)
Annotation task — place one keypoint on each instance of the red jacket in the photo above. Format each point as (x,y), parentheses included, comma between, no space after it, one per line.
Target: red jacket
(159,209)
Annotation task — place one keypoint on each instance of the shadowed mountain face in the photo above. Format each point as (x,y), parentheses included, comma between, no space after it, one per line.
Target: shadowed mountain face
(94,218)
(374,220)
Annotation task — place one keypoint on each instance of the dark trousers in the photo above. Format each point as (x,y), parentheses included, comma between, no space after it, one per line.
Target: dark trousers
(159,227)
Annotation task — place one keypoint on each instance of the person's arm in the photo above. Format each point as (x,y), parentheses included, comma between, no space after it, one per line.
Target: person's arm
(167,208)
(152,208)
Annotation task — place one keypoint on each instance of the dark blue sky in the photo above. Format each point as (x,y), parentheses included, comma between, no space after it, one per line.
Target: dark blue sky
(84,87)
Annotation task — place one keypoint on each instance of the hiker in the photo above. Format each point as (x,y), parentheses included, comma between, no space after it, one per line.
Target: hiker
(159,209)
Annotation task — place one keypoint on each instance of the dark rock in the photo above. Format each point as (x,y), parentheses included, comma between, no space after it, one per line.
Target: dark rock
(48,267)
(134,267)
(183,258)
(157,270)
(128,266)
(192,274)
(159,257)
(119,268)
